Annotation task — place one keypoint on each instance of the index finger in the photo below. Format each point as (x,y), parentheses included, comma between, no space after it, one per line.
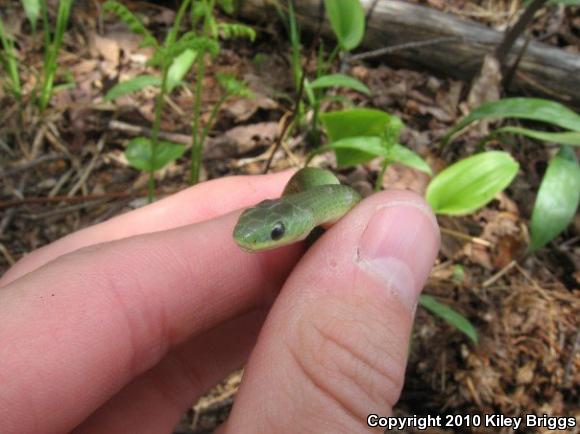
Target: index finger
(201,202)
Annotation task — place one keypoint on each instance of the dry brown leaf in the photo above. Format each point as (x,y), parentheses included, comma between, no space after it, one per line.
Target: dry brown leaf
(398,176)
(243,109)
(525,374)
(109,50)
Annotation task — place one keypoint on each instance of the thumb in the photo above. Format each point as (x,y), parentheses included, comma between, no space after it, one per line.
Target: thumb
(334,347)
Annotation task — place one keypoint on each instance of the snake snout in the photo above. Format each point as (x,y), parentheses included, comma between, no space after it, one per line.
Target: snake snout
(245,238)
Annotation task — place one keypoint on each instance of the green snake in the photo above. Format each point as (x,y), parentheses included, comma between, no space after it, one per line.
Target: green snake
(311,198)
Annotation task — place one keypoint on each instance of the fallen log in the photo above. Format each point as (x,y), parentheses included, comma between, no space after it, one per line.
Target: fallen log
(448,45)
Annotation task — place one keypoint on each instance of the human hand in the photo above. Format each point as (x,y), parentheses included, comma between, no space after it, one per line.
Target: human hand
(122,326)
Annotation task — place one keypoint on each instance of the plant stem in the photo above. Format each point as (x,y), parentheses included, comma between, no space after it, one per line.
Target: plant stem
(196,150)
(159,103)
(197,144)
(512,34)
(214,113)
(333,54)
(51,50)
(295,42)
(379,182)
(11,62)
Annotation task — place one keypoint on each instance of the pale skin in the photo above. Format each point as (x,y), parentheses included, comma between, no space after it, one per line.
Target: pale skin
(122,326)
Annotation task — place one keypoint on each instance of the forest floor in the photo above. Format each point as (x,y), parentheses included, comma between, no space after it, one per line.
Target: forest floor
(66,170)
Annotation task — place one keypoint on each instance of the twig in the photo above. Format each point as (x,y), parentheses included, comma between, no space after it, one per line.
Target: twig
(63,210)
(143,131)
(9,215)
(85,174)
(513,33)
(462,236)
(32,164)
(4,146)
(297,101)
(406,46)
(7,255)
(570,362)
(534,83)
(370,11)
(75,199)
(64,178)
(509,75)
(499,274)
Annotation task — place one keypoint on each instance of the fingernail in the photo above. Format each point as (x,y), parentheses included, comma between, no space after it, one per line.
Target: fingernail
(399,246)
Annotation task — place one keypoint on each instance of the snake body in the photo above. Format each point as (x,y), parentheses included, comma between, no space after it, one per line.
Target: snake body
(312,197)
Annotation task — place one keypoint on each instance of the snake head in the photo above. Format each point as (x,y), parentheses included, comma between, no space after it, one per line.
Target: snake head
(271,224)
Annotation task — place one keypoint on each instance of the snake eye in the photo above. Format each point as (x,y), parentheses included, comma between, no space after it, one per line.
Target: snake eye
(277,231)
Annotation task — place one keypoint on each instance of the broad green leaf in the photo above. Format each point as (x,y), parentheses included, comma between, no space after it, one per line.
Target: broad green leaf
(139,153)
(340,80)
(557,198)
(32,10)
(370,145)
(180,66)
(565,138)
(354,123)
(404,155)
(132,85)
(536,109)
(471,183)
(347,19)
(449,315)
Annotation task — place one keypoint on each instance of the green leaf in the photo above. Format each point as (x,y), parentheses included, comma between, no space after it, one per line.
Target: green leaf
(32,10)
(354,123)
(233,86)
(340,80)
(172,35)
(353,149)
(536,109)
(134,23)
(449,315)
(368,144)
(471,183)
(236,31)
(188,41)
(393,130)
(565,138)
(565,2)
(179,68)
(557,198)
(9,62)
(403,155)
(227,6)
(132,85)
(373,146)
(140,149)
(347,19)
